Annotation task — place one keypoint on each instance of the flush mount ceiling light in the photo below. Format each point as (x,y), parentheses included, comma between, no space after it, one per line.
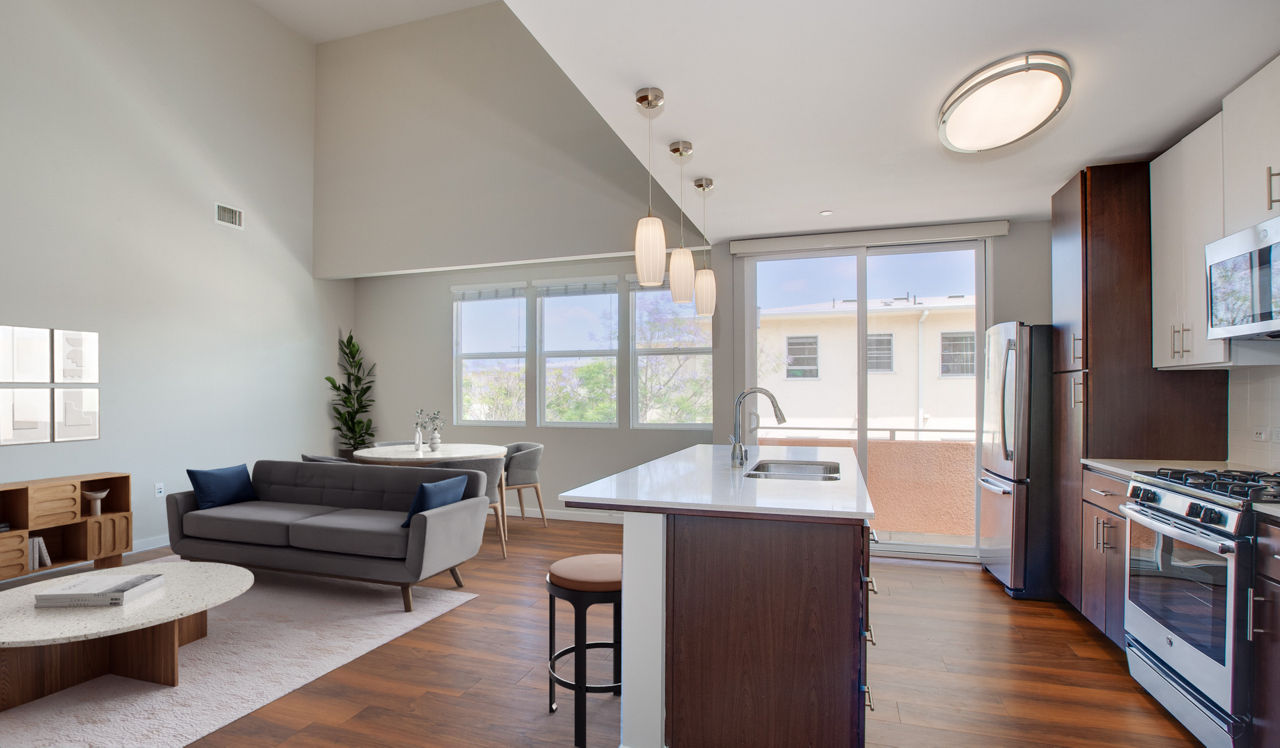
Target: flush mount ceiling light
(1004,102)
(681,257)
(651,239)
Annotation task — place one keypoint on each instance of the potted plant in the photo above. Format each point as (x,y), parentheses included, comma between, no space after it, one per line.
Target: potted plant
(431,423)
(352,397)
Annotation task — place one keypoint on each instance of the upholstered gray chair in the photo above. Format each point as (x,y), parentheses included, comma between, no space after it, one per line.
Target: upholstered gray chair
(323,458)
(523,459)
(492,467)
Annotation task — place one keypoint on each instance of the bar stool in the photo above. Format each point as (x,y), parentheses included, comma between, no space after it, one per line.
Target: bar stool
(584,581)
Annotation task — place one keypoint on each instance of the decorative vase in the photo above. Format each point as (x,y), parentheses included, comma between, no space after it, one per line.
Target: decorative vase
(435,441)
(417,440)
(93,500)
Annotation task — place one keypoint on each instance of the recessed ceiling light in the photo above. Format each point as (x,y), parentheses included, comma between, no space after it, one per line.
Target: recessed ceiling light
(1004,102)
(824,212)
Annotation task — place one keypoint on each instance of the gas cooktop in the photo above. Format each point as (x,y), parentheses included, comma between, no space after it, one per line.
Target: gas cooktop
(1237,486)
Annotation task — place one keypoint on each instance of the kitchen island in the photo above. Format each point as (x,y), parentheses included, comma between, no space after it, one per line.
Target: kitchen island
(744,596)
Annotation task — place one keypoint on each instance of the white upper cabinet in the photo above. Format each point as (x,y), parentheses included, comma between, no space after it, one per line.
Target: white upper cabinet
(1186,214)
(1251,146)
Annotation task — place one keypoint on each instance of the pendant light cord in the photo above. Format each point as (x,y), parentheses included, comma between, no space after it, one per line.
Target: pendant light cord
(682,200)
(706,258)
(649,116)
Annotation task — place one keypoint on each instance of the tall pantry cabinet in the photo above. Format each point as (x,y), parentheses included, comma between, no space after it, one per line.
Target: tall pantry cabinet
(1108,400)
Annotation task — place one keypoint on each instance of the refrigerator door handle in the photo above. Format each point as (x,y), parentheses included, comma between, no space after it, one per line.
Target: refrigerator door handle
(1009,351)
(994,487)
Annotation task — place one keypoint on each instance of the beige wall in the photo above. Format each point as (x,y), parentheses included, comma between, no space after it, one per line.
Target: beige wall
(456,141)
(405,323)
(124,122)
(915,389)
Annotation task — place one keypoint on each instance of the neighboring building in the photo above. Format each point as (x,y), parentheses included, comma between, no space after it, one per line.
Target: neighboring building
(921,363)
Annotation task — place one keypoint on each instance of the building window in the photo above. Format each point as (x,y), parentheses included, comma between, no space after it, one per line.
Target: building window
(880,352)
(489,355)
(802,357)
(671,345)
(578,352)
(958,354)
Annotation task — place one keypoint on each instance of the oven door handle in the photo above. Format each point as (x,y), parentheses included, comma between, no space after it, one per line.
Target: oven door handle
(1221,548)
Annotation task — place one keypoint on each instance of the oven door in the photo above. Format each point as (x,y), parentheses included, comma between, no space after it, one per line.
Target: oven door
(1181,600)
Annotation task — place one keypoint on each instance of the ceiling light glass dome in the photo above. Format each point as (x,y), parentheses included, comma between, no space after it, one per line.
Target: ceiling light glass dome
(1004,102)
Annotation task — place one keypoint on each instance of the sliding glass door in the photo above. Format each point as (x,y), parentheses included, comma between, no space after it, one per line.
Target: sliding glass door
(876,350)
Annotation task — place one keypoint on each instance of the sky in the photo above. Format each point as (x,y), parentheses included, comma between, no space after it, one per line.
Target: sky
(793,282)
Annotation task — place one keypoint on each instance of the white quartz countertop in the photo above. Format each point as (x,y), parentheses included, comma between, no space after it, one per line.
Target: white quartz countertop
(701,480)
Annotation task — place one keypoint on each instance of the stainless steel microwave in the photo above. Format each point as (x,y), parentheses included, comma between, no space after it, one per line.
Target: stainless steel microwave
(1244,289)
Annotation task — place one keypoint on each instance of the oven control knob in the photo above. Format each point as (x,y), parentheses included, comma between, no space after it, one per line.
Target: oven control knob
(1135,492)
(1195,511)
(1147,495)
(1211,516)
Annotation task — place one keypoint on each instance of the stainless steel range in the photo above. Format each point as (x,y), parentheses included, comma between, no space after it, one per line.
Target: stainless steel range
(1188,602)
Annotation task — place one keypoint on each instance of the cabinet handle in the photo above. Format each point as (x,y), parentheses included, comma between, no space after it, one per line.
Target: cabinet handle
(1271,178)
(874,538)
(1185,350)
(1248,613)
(1100,492)
(1173,341)
(871,704)
(1097,543)
(870,634)
(1074,384)
(1105,526)
(871,585)
(1074,340)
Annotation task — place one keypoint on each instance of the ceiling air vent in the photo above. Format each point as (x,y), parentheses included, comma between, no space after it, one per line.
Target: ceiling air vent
(230,216)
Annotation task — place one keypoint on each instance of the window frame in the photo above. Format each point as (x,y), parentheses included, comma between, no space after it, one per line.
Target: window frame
(893,352)
(459,357)
(543,354)
(817,359)
(942,337)
(636,352)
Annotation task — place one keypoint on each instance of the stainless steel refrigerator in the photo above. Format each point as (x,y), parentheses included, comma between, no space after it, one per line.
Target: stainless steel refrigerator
(1015,483)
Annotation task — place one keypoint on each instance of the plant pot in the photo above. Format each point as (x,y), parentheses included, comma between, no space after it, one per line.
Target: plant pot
(345,453)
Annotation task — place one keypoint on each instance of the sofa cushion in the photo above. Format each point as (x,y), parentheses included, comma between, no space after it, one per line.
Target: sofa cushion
(257,522)
(356,532)
(222,486)
(435,495)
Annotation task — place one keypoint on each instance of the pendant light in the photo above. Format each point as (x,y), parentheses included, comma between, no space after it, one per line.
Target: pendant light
(651,239)
(681,258)
(704,282)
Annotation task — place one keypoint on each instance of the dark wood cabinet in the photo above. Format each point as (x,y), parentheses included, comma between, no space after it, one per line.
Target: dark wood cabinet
(1109,401)
(1266,640)
(1068,439)
(1102,570)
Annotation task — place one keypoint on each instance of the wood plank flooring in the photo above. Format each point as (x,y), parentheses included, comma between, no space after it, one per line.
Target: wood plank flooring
(957,663)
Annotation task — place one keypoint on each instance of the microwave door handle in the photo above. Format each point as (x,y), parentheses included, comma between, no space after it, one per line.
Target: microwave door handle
(1221,548)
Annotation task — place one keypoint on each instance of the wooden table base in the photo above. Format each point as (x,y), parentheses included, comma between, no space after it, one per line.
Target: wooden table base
(150,654)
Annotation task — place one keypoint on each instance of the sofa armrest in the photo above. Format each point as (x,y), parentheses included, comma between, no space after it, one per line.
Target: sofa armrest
(442,538)
(178,504)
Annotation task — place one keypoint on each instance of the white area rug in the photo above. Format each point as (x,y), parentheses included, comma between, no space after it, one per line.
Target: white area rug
(285,632)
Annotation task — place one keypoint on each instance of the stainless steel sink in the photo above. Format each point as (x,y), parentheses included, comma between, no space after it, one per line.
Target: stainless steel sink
(795,470)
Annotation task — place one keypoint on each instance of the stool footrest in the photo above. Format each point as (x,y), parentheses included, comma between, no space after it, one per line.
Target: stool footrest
(590,687)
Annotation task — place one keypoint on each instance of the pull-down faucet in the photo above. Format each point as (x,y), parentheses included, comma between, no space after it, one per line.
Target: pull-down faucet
(739,453)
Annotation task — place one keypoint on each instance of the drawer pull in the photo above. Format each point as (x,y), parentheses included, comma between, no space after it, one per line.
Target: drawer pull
(1100,492)
(870,634)
(871,704)
(871,585)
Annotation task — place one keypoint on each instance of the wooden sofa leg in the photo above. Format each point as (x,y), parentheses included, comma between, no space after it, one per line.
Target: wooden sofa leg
(457,578)
(406,591)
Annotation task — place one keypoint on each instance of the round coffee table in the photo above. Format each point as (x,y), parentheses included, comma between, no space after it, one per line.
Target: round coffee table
(43,650)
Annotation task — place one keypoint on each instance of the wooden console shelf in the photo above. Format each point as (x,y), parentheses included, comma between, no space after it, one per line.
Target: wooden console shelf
(56,510)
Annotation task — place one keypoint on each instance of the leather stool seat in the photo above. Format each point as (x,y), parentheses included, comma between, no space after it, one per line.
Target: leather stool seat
(595,572)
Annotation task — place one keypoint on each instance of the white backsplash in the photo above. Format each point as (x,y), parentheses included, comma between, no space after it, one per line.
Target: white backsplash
(1254,404)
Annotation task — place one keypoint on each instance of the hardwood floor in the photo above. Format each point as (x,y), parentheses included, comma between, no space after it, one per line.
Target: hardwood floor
(957,664)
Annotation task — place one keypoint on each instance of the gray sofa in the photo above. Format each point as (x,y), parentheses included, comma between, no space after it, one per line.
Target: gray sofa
(336,520)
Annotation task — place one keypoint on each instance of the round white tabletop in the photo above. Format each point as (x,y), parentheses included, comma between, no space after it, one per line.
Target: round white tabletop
(189,588)
(404,454)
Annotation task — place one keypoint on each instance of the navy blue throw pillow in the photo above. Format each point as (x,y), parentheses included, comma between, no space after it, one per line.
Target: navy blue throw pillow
(435,495)
(223,486)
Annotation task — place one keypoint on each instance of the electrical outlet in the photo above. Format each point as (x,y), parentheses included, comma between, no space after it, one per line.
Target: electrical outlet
(159,490)
(1259,435)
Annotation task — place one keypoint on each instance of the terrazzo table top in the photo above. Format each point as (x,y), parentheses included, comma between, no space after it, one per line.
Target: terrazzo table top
(189,588)
(405,454)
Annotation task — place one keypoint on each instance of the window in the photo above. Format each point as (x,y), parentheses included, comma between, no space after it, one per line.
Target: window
(489,355)
(671,379)
(958,354)
(578,352)
(880,352)
(802,357)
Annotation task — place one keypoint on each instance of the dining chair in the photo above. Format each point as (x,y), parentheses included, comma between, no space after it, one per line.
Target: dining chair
(492,467)
(523,459)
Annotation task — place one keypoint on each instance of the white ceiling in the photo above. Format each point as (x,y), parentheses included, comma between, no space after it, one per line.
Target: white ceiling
(798,107)
(326,20)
